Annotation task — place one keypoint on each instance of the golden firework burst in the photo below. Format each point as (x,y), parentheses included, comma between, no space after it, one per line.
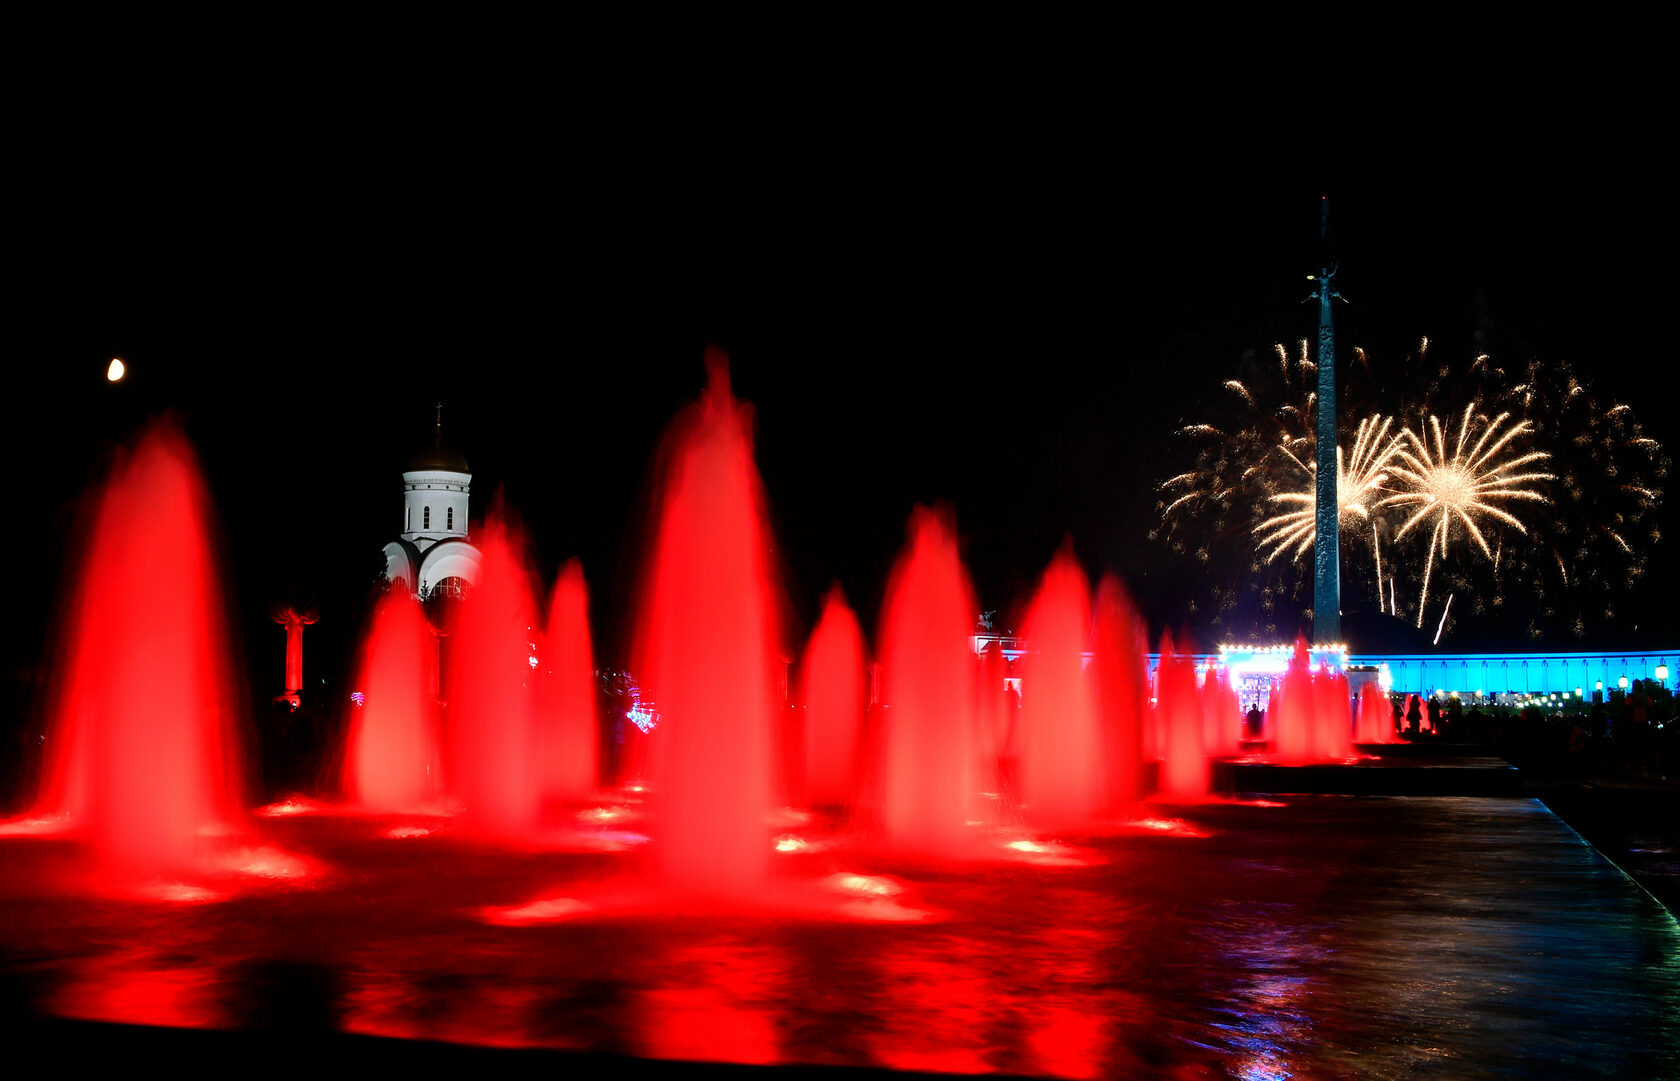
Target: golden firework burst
(1359,478)
(1463,485)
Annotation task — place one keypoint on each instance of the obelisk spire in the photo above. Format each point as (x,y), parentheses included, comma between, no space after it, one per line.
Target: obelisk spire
(1327,571)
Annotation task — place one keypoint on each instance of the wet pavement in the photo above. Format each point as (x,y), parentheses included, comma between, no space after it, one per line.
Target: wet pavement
(1636,825)
(1323,936)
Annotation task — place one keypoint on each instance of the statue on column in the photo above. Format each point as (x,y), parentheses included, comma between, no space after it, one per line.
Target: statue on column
(294,621)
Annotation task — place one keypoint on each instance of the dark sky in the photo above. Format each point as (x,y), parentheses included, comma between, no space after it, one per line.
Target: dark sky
(1016,331)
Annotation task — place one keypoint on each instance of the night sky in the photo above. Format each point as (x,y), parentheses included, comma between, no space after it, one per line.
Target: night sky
(1015,335)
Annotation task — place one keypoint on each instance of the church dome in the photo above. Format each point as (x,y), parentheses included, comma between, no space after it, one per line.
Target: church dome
(438,457)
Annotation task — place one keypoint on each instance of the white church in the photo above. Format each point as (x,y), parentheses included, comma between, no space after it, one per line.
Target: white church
(432,555)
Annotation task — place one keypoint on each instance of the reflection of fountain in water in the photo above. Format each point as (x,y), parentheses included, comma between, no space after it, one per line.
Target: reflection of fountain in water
(144,758)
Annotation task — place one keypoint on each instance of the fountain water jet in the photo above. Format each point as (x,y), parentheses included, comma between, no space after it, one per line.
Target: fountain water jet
(570,729)
(1178,708)
(1121,690)
(490,719)
(1289,717)
(143,751)
(705,649)
(1376,716)
(1332,716)
(928,682)
(832,690)
(1309,717)
(1222,717)
(392,760)
(1061,754)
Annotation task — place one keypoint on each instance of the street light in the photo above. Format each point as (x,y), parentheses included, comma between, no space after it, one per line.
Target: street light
(1622,683)
(1662,675)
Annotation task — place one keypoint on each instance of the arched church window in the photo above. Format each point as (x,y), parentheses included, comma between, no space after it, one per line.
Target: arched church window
(449,518)
(408,519)
(425,517)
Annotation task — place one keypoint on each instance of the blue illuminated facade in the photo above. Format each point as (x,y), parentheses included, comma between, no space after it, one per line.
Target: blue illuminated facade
(1497,674)
(1467,674)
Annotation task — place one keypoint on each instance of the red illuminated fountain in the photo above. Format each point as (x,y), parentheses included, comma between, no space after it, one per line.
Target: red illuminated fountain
(1309,717)
(928,677)
(1178,709)
(706,650)
(1376,716)
(1289,716)
(144,759)
(1222,717)
(393,761)
(490,722)
(1061,749)
(570,754)
(832,693)
(1332,716)
(1122,690)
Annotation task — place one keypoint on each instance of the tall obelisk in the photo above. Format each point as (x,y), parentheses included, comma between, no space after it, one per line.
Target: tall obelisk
(1327,572)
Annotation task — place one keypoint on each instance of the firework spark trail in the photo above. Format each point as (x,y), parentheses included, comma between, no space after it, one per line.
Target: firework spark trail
(1376,547)
(1458,485)
(1357,481)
